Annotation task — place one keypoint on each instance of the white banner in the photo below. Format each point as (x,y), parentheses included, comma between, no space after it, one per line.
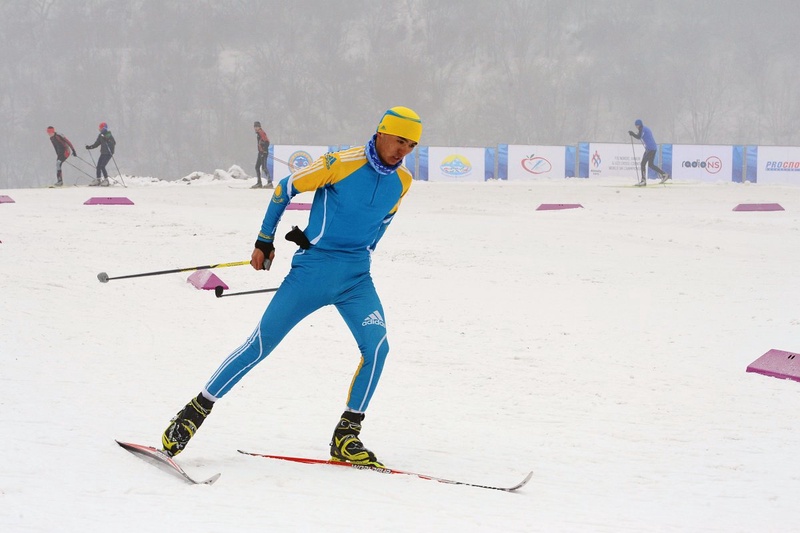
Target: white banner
(456,164)
(615,160)
(702,162)
(778,164)
(287,158)
(527,162)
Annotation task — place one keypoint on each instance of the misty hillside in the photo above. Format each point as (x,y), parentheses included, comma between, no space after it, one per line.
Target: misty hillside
(180,83)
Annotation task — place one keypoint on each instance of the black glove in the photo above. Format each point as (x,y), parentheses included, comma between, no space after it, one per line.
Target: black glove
(267,248)
(75,153)
(88,147)
(631,133)
(299,238)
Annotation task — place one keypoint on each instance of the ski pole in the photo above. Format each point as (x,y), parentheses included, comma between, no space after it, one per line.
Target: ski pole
(118,172)
(76,156)
(104,278)
(218,292)
(79,169)
(635,167)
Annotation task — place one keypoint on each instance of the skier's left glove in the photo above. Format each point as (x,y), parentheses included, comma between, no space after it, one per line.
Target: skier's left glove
(631,133)
(299,238)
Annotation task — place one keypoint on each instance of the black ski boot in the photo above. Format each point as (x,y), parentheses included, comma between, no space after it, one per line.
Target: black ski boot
(184,425)
(345,444)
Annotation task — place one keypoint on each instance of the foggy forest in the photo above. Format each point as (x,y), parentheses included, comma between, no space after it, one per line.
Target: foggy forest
(181,82)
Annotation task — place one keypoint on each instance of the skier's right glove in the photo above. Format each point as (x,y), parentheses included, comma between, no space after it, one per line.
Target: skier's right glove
(268,248)
(89,147)
(631,133)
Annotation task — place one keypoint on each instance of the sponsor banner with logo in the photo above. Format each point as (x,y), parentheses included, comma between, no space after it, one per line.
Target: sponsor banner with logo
(452,164)
(778,164)
(607,160)
(287,159)
(702,162)
(526,162)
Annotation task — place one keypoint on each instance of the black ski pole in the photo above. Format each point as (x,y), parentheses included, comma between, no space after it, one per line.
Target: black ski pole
(104,278)
(79,158)
(219,290)
(118,172)
(635,166)
(79,169)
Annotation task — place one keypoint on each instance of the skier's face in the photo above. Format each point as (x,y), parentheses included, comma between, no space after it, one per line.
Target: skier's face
(392,149)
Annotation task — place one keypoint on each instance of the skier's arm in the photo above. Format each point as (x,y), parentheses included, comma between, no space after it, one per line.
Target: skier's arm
(96,143)
(70,146)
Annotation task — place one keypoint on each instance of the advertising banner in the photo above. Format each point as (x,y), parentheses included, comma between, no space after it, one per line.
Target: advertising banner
(614,160)
(702,162)
(527,162)
(287,159)
(778,164)
(453,164)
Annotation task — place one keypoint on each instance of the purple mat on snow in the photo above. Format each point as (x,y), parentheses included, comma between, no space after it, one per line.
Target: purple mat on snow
(552,207)
(777,364)
(298,207)
(206,280)
(108,200)
(6,199)
(759,207)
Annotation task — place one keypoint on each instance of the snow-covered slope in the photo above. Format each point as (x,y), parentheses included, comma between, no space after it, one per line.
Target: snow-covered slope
(604,348)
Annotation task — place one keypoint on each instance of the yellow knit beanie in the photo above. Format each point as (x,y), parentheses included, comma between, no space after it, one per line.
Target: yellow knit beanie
(403,122)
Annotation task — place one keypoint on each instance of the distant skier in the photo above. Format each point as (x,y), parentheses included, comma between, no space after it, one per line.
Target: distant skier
(650,147)
(63,149)
(262,141)
(107,145)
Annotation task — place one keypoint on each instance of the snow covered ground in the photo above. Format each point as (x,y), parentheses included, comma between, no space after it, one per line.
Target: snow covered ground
(604,348)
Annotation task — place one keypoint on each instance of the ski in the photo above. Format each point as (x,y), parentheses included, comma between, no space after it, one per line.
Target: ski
(309,461)
(164,462)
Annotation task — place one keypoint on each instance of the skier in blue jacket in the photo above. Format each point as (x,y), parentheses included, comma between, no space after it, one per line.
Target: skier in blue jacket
(358,192)
(646,136)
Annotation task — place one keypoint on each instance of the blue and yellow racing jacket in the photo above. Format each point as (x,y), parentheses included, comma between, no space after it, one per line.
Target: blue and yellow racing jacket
(353,203)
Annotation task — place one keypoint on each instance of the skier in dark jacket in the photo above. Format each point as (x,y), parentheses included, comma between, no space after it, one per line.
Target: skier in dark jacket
(63,149)
(107,144)
(262,141)
(646,136)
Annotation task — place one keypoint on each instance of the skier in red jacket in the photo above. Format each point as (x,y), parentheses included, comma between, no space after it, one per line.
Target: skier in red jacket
(63,149)
(262,142)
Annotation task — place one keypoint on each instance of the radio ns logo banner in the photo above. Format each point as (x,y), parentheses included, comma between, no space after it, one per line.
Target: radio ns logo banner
(712,164)
(536,165)
(456,166)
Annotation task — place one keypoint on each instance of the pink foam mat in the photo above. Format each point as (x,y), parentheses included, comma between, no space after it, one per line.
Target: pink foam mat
(108,200)
(300,206)
(206,280)
(554,207)
(759,207)
(6,199)
(777,364)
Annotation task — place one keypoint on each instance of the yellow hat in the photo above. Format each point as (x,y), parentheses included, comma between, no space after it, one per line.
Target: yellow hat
(403,122)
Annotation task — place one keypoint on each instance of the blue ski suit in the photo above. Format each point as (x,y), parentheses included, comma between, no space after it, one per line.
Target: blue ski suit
(352,207)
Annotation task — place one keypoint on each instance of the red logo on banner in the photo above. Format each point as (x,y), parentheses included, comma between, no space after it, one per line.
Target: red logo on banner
(536,165)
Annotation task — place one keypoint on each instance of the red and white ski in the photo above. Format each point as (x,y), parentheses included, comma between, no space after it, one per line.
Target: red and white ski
(164,462)
(306,460)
